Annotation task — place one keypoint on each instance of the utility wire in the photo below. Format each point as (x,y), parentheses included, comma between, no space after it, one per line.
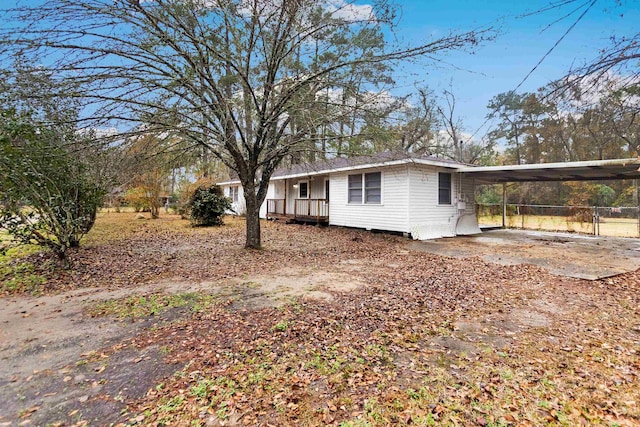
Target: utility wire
(593,2)
(535,67)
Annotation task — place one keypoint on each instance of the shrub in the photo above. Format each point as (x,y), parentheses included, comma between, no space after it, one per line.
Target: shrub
(208,205)
(183,205)
(137,198)
(49,196)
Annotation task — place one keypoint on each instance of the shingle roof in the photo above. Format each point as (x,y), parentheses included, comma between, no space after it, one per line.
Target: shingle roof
(377,159)
(358,162)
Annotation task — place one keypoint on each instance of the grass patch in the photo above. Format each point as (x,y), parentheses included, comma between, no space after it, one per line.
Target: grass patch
(149,305)
(128,226)
(16,274)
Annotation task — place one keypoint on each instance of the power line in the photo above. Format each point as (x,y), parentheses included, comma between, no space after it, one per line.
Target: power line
(593,2)
(535,67)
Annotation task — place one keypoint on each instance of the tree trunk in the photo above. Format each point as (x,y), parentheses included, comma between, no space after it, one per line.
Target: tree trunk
(253,240)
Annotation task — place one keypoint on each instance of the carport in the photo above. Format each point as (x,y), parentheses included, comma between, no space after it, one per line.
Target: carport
(573,255)
(593,170)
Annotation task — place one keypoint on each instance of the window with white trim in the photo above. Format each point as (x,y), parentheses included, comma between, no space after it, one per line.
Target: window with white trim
(303,189)
(355,188)
(444,188)
(373,188)
(365,187)
(233,193)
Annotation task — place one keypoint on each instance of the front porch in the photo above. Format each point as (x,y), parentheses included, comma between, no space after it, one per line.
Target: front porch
(304,210)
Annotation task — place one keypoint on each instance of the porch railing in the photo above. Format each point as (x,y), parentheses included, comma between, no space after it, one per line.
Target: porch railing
(312,208)
(317,209)
(276,206)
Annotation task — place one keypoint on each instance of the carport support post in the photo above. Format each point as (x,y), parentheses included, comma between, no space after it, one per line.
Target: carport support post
(504,205)
(636,201)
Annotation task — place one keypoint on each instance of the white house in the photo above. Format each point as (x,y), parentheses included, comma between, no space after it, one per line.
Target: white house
(422,196)
(425,197)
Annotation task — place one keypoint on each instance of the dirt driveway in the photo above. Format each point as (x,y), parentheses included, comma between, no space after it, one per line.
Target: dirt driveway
(565,254)
(59,365)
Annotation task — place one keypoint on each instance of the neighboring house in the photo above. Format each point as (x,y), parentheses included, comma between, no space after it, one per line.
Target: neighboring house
(421,196)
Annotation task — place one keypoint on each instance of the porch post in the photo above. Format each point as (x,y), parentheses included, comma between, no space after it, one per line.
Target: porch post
(284,208)
(504,205)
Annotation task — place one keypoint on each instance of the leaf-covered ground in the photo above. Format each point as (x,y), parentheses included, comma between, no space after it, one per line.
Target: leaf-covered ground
(423,339)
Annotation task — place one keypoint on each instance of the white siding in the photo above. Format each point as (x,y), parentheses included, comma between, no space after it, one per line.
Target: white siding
(271,194)
(316,187)
(428,219)
(390,215)
(278,190)
(292,194)
(240,207)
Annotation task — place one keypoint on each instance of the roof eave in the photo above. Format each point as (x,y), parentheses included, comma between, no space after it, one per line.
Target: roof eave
(561,165)
(367,166)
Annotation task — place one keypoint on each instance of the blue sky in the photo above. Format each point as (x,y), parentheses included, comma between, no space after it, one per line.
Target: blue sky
(500,65)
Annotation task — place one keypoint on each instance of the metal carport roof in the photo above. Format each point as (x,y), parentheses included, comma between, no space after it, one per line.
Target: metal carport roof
(593,170)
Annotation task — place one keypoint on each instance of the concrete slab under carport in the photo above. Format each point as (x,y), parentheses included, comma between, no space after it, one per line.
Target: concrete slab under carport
(566,254)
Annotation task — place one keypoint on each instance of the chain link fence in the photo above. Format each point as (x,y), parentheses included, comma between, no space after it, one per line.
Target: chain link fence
(596,220)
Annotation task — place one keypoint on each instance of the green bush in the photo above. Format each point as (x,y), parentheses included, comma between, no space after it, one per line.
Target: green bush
(49,196)
(208,205)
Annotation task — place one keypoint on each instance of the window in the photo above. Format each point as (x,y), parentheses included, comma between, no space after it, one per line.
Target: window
(233,193)
(444,188)
(326,190)
(368,185)
(372,187)
(303,190)
(355,189)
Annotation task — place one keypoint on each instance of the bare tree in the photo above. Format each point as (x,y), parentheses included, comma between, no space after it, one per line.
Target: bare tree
(416,133)
(616,63)
(451,123)
(227,75)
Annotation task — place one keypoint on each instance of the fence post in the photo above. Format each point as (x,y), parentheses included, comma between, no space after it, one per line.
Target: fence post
(504,205)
